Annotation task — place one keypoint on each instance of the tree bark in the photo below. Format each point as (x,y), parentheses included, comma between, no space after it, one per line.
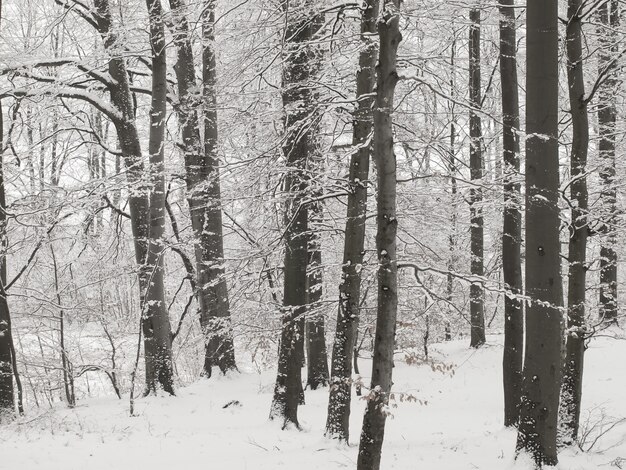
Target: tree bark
(373,430)
(542,360)
(216,321)
(338,419)
(159,364)
(452,170)
(477,302)
(571,388)
(156,325)
(7,399)
(512,223)
(607,117)
(302,24)
(315,331)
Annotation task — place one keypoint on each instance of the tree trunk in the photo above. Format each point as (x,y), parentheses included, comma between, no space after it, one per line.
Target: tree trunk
(607,117)
(542,360)
(302,24)
(512,223)
(452,170)
(159,364)
(203,186)
(477,307)
(338,419)
(156,325)
(315,331)
(571,388)
(7,404)
(382,366)
(317,358)
(220,350)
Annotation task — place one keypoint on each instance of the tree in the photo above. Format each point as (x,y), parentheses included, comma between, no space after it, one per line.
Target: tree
(7,401)
(373,431)
(156,324)
(315,331)
(477,301)
(512,223)
(542,359)
(338,419)
(301,26)
(220,349)
(202,179)
(571,388)
(607,117)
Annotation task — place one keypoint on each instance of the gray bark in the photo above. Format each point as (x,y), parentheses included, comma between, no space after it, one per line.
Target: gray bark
(477,301)
(156,325)
(338,419)
(6,370)
(607,117)
(512,223)
(159,363)
(215,307)
(571,388)
(542,359)
(302,24)
(203,186)
(373,430)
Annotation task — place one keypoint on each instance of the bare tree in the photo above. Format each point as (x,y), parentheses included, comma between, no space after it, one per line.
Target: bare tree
(156,324)
(571,388)
(7,401)
(477,300)
(373,430)
(542,359)
(512,223)
(338,420)
(301,26)
(608,13)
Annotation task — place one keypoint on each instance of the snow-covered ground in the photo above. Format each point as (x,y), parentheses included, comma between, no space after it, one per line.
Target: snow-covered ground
(457,425)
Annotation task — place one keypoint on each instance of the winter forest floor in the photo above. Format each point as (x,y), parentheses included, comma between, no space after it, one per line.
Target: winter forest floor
(457,425)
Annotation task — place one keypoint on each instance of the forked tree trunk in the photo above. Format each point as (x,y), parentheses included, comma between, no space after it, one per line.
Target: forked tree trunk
(477,301)
(302,23)
(215,307)
(203,184)
(542,359)
(156,325)
(382,365)
(159,370)
(571,388)
(512,223)
(338,419)
(607,117)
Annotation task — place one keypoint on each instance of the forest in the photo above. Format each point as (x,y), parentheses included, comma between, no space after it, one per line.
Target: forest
(373,234)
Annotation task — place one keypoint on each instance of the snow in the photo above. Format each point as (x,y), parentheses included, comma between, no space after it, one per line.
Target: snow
(456,422)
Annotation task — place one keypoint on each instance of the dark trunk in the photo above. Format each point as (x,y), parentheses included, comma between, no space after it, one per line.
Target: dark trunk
(477,307)
(607,117)
(542,359)
(571,388)
(159,362)
(7,404)
(317,358)
(302,24)
(373,430)
(203,185)
(512,224)
(338,420)
(453,195)
(156,325)
(215,307)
